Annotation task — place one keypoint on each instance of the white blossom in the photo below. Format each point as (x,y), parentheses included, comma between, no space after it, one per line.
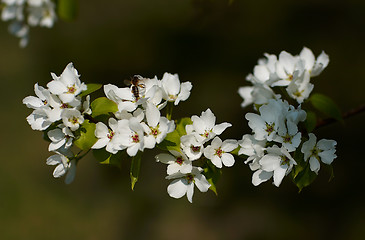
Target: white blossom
(64,166)
(219,152)
(72,118)
(108,137)
(184,184)
(61,136)
(277,160)
(323,150)
(177,162)
(172,89)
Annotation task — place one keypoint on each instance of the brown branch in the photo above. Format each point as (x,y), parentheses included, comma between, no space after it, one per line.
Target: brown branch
(352,112)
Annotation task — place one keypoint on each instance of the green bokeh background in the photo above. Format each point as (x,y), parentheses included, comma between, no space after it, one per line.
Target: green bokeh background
(214,45)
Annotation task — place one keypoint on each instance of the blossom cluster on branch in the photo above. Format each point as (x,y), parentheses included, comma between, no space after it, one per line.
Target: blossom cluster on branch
(24,14)
(129,120)
(282,142)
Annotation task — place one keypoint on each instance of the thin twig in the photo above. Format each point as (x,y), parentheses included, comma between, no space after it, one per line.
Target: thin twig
(346,115)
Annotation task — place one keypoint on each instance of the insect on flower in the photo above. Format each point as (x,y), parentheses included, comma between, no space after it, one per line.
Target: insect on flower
(137,86)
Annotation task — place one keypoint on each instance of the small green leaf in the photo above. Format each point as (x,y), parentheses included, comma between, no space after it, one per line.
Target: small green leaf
(108,158)
(212,174)
(67,9)
(86,136)
(135,168)
(310,121)
(171,142)
(102,106)
(91,87)
(180,125)
(326,105)
(304,178)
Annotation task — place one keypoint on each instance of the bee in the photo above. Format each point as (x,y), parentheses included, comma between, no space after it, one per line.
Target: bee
(137,86)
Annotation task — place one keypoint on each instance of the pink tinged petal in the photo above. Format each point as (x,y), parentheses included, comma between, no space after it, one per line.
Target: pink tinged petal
(59,171)
(216,161)
(270,162)
(177,188)
(314,164)
(228,159)
(201,183)
(132,150)
(261,73)
(260,176)
(219,128)
(152,115)
(328,156)
(307,55)
(279,174)
(56,87)
(190,192)
(71,172)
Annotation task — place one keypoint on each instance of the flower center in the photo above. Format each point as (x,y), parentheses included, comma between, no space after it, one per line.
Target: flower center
(195,148)
(73,120)
(71,89)
(64,105)
(269,128)
(135,138)
(172,97)
(290,77)
(155,131)
(315,151)
(219,152)
(179,161)
(190,178)
(287,138)
(110,135)
(44,102)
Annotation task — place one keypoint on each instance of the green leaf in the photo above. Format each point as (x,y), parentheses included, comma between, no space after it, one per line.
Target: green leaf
(171,142)
(67,9)
(135,168)
(102,106)
(304,178)
(180,125)
(212,174)
(91,87)
(326,106)
(311,121)
(86,135)
(105,157)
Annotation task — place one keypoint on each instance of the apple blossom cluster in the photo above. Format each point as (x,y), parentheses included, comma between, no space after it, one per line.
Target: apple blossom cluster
(200,141)
(128,121)
(280,143)
(292,72)
(59,110)
(24,14)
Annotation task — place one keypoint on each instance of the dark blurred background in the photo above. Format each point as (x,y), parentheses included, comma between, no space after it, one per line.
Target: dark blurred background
(214,45)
